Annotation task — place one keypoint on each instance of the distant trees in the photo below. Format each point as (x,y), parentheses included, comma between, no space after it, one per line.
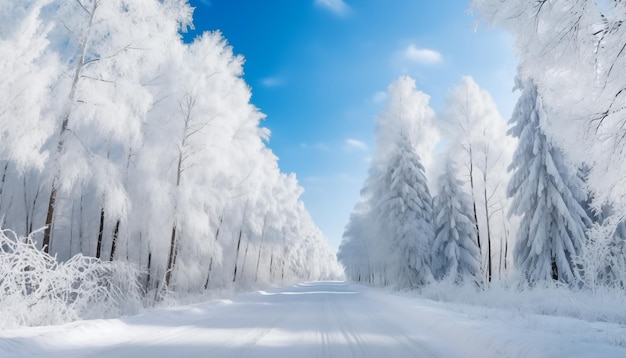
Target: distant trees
(129,145)
(395,236)
(390,233)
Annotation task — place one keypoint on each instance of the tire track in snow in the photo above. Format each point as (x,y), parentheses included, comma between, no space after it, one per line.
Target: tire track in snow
(414,346)
(356,344)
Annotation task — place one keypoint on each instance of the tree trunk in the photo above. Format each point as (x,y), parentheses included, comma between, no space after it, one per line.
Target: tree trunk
(116,232)
(217,235)
(26,211)
(471,175)
(99,244)
(245,257)
(237,254)
(4,178)
(506,254)
(489,264)
(171,258)
(46,234)
(258,259)
(149,268)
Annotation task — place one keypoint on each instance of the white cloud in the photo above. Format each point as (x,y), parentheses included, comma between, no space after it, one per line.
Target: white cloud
(271,82)
(355,144)
(337,7)
(422,56)
(379,97)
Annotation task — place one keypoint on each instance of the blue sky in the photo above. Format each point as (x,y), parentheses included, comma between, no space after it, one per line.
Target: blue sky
(319,70)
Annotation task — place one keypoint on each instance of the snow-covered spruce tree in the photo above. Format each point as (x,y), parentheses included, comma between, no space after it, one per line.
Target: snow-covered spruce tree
(547,193)
(404,216)
(455,250)
(390,233)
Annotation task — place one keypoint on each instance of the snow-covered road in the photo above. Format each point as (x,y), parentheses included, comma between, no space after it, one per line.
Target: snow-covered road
(322,319)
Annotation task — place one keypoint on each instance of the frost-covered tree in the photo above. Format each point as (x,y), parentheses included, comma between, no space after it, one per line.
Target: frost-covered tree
(455,250)
(103,100)
(389,236)
(133,146)
(354,253)
(574,51)
(404,215)
(28,71)
(548,195)
(477,133)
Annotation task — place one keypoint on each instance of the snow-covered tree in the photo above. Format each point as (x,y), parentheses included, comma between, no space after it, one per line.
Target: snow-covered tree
(129,145)
(548,195)
(574,51)
(477,133)
(354,252)
(389,236)
(404,216)
(455,250)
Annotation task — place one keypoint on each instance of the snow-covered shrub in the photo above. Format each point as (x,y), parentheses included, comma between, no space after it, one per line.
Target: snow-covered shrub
(35,289)
(515,295)
(603,256)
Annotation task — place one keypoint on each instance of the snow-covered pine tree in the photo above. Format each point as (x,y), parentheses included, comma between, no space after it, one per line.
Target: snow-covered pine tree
(455,250)
(388,238)
(404,215)
(547,193)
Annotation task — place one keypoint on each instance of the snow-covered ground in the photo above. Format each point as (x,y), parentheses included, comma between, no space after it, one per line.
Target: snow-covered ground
(322,319)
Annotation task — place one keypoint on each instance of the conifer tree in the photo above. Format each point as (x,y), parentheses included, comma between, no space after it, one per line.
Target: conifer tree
(404,215)
(455,250)
(547,194)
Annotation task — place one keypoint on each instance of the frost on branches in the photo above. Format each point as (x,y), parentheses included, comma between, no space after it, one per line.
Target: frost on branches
(35,289)
(547,193)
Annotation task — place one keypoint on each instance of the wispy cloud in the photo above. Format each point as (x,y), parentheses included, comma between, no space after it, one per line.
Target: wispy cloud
(321,146)
(421,56)
(271,82)
(337,7)
(355,144)
(379,97)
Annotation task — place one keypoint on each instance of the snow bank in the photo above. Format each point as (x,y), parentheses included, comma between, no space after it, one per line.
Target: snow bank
(602,304)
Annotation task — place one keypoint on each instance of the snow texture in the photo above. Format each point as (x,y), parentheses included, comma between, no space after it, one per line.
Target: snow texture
(323,319)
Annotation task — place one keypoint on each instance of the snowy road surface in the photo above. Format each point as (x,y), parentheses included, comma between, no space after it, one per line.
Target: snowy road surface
(322,319)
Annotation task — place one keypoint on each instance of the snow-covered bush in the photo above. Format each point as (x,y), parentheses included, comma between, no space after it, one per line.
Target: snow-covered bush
(36,289)
(603,256)
(517,297)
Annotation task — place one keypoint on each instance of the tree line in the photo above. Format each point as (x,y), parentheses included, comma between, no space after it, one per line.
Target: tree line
(125,143)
